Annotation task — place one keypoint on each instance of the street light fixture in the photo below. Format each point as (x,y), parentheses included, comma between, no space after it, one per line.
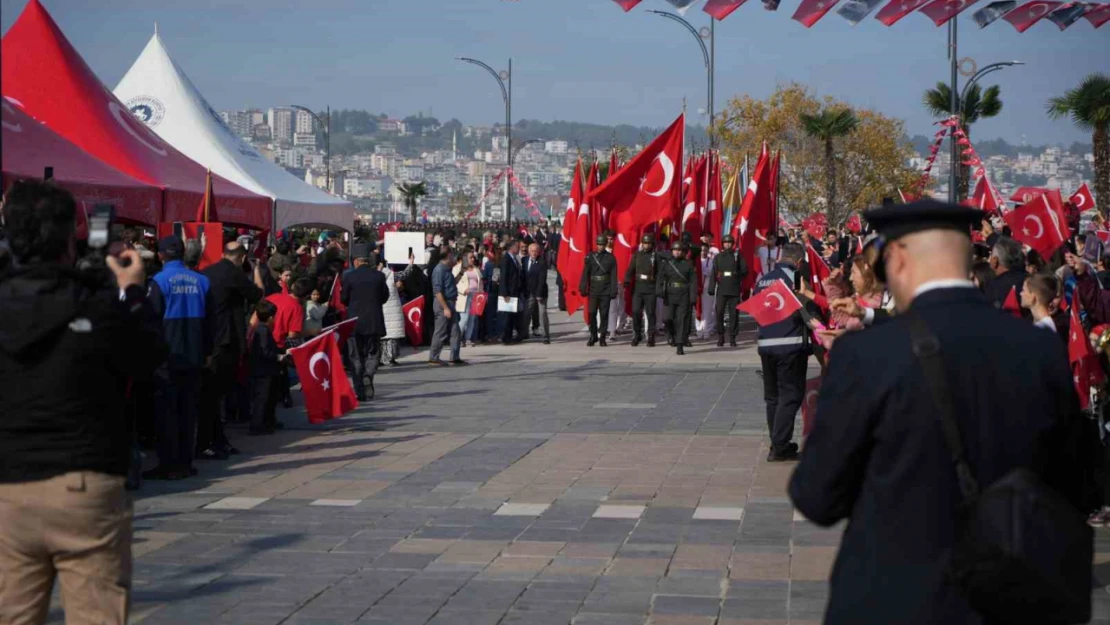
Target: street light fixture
(505,81)
(708,54)
(327,139)
(956,105)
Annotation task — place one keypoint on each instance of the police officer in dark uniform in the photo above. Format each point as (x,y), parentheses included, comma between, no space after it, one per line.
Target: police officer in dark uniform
(677,284)
(725,281)
(877,452)
(640,278)
(784,350)
(599,282)
(693,256)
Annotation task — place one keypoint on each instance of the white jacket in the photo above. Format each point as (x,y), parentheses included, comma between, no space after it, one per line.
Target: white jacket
(394,317)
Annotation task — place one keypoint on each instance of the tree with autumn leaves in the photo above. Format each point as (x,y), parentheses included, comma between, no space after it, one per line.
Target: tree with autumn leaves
(870,161)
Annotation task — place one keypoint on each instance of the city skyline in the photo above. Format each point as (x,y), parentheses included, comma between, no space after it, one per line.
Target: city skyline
(577,60)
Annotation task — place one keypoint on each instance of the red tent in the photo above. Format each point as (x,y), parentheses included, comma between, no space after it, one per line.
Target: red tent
(29,147)
(48,79)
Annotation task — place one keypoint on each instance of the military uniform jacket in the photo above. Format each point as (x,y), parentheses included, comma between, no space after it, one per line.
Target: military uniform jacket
(790,335)
(642,271)
(877,456)
(599,276)
(728,273)
(677,281)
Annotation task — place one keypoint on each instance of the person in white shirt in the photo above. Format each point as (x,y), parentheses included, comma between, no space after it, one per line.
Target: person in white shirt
(1039,292)
(707,325)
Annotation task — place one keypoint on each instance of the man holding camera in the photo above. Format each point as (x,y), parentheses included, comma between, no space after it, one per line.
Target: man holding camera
(69,342)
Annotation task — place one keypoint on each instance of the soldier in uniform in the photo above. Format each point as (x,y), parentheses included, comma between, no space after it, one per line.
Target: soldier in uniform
(725,281)
(877,449)
(640,278)
(693,256)
(599,282)
(677,284)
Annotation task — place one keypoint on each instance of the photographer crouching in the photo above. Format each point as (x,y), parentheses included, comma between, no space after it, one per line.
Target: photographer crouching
(69,342)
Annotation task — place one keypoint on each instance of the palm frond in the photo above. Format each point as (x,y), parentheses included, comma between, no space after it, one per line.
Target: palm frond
(1088,105)
(937,101)
(991,103)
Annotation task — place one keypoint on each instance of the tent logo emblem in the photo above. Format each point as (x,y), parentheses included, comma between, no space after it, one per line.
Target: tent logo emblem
(149,110)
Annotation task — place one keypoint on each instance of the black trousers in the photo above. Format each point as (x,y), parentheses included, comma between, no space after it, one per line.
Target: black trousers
(177,399)
(367,349)
(727,304)
(217,381)
(679,313)
(562,291)
(784,387)
(643,303)
(264,397)
(599,305)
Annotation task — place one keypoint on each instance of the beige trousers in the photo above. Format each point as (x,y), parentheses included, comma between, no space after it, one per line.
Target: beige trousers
(77,527)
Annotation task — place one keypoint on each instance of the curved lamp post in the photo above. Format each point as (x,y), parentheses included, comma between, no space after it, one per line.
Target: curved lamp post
(708,55)
(956,104)
(505,81)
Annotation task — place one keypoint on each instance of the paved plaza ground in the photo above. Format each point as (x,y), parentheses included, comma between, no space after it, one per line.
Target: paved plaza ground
(543,485)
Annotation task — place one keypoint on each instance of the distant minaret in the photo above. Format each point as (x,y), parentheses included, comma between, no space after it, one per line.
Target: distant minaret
(455,145)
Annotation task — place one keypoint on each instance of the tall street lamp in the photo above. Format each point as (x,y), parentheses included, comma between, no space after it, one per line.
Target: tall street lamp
(708,54)
(505,81)
(327,139)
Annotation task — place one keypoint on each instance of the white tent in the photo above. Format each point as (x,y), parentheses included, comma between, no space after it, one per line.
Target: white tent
(160,94)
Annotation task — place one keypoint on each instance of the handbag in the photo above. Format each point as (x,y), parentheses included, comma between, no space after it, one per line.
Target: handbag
(1022,553)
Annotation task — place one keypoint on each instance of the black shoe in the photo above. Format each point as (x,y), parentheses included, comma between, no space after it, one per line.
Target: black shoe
(459,362)
(262,431)
(720,341)
(680,351)
(732,343)
(636,340)
(371,389)
(162,473)
(547,341)
(670,342)
(591,342)
(230,450)
(603,343)
(436,362)
(651,340)
(786,454)
(394,363)
(688,343)
(211,453)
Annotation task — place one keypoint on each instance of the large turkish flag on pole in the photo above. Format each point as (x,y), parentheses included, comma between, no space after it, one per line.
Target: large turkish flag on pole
(1036,225)
(695,194)
(578,247)
(569,217)
(755,213)
(714,214)
(326,389)
(646,189)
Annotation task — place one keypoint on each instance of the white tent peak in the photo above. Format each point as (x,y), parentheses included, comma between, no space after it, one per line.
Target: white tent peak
(160,94)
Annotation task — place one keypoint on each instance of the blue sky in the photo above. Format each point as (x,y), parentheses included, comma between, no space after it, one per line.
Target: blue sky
(580,60)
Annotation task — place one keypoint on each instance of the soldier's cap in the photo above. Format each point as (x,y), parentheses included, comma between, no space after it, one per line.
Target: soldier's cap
(361,250)
(728,239)
(602,240)
(678,245)
(898,220)
(647,238)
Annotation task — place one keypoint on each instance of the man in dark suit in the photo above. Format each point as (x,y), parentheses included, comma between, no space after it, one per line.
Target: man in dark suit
(877,455)
(512,285)
(1008,261)
(364,291)
(230,294)
(535,288)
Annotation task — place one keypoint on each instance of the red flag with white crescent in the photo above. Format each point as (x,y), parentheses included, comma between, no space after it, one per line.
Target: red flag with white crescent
(714,214)
(809,404)
(810,11)
(940,11)
(568,220)
(720,9)
(1098,15)
(985,197)
(1030,13)
(344,329)
(414,320)
(818,270)
(1038,226)
(771,305)
(853,224)
(897,9)
(327,391)
(695,198)
(755,213)
(1082,198)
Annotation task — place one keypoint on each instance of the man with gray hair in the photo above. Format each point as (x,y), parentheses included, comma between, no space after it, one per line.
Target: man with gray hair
(1008,261)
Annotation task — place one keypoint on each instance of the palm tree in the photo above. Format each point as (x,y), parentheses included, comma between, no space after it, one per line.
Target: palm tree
(827,126)
(1088,106)
(411,192)
(977,104)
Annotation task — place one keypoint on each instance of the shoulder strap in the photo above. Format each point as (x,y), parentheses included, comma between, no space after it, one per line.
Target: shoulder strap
(926,348)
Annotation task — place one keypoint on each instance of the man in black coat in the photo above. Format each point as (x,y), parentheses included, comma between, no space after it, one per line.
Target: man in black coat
(364,291)
(535,288)
(230,293)
(877,455)
(511,285)
(599,283)
(725,281)
(1008,261)
(640,278)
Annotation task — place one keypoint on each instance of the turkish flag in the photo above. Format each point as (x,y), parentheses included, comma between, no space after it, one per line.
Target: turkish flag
(569,216)
(206,211)
(714,213)
(940,11)
(1037,225)
(1024,195)
(1082,198)
(809,404)
(771,305)
(344,329)
(1085,367)
(755,213)
(809,11)
(815,225)
(578,247)
(720,9)
(335,300)
(644,192)
(627,5)
(695,198)
(853,224)
(897,9)
(1068,14)
(324,384)
(818,270)
(1098,15)
(478,306)
(414,320)
(1011,304)
(1030,13)
(597,216)
(985,197)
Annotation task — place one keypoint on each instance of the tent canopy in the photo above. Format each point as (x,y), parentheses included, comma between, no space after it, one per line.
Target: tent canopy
(187,122)
(45,76)
(29,147)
